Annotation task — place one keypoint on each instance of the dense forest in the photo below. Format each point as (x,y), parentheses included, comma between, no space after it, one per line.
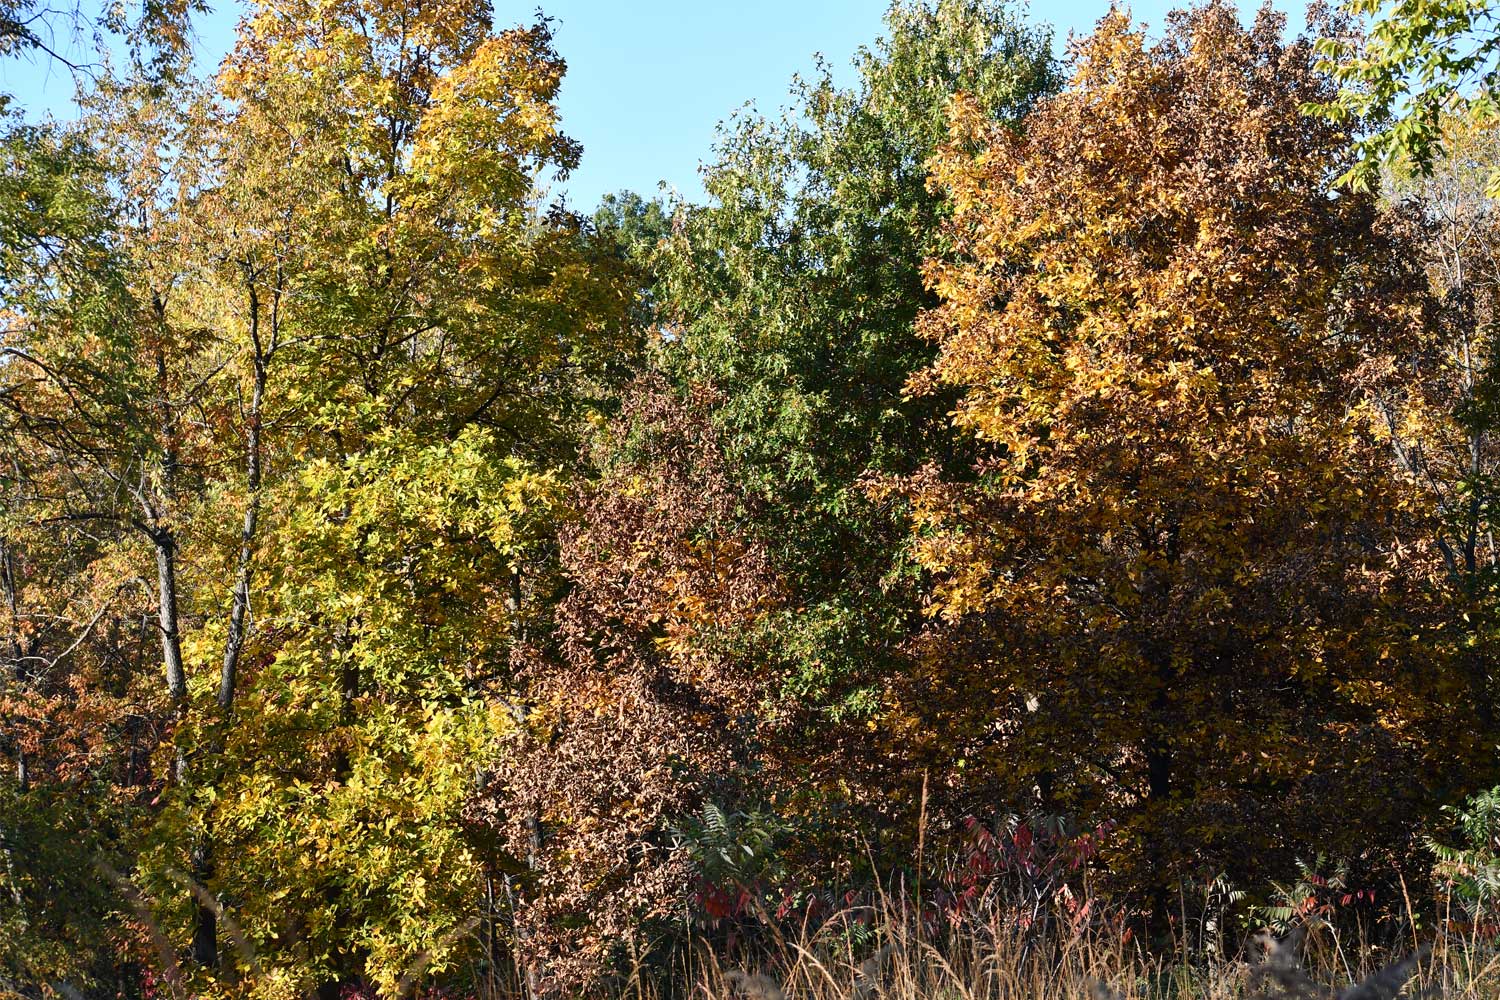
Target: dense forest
(1031,522)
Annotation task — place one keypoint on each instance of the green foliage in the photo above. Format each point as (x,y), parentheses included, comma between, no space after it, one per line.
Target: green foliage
(1471,869)
(1419,61)
(60,261)
(732,849)
(631,225)
(1308,900)
(56,908)
(794,292)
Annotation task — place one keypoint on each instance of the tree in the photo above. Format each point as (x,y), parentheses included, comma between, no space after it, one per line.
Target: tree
(794,293)
(737,597)
(1420,61)
(452,338)
(1441,414)
(77,707)
(645,705)
(1172,596)
(324,317)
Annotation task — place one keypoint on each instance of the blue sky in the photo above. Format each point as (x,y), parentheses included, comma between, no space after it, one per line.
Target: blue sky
(648,81)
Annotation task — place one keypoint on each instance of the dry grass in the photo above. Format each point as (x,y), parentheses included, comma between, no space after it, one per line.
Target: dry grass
(1002,958)
(1001,949)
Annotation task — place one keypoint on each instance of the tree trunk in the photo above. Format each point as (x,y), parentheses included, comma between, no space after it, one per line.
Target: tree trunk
(166,618)
(206,926)
(234,642)
(239,610)
(18,652)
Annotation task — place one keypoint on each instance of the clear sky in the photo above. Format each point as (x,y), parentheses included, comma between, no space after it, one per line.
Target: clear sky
(649,79)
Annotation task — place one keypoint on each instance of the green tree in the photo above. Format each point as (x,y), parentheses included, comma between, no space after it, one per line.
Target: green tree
(70,697)
(796,290)
(1417,62)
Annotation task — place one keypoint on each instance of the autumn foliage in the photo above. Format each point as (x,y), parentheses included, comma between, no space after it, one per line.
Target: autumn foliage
(1025,495)
(1185,529)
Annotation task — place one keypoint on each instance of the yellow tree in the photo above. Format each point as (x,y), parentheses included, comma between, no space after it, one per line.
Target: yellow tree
(441,335)
(1166,598)
(300,419)
(1444,414)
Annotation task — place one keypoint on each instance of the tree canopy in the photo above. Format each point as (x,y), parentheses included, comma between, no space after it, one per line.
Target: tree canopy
(1017,481)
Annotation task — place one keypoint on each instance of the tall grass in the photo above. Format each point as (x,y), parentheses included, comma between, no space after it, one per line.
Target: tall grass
(1034,930)
(890,949)
(1003,954)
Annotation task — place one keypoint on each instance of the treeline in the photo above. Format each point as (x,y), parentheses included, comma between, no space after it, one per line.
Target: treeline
(407,581)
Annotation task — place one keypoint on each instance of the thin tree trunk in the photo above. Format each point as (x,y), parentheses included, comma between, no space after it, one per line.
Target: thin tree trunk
(235,641)
(533,862)
(206,927)
(23,780)
(205,937)
(349,689)
(166,619)
(8,581)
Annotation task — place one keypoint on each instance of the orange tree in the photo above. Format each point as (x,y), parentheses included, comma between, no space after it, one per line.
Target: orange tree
(1171,596)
